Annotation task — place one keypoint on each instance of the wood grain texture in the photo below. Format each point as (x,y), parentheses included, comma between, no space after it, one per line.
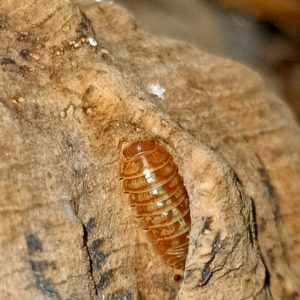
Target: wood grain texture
(65,230)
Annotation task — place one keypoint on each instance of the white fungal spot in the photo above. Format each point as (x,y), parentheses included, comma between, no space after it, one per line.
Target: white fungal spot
(147,173)
(165,214)
(149,177)
(159,204)
(154,192)
(157,90)
(92,41)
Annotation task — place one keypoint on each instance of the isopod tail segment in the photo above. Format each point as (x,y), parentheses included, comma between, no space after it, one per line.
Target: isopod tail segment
(155,188)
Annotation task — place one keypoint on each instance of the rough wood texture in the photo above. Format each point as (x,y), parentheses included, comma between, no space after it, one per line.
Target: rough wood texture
(67,231)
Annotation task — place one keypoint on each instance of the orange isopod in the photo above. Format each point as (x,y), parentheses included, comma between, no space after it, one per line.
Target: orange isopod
(156,190)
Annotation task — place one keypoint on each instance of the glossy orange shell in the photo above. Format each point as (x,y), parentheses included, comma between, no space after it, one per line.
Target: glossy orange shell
(156,190)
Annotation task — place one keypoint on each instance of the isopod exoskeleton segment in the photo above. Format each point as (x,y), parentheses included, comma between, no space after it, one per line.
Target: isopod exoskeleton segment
(156,190)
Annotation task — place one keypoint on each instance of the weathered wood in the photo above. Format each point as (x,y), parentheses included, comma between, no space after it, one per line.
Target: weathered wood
(67,231)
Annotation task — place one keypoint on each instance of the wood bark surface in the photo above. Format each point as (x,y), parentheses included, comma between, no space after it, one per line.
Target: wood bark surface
(66,229)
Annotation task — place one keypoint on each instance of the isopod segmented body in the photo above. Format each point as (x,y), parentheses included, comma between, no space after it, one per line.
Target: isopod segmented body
(156,190)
